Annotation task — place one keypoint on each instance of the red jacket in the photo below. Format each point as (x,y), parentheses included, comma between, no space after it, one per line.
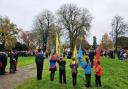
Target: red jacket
(98,70)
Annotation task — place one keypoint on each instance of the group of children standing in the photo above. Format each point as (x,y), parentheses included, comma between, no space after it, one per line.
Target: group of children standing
(74,66)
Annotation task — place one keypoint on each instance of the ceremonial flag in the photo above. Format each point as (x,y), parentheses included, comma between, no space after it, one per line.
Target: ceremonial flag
(57,46)
(97,58)
(80,53)
(75,52)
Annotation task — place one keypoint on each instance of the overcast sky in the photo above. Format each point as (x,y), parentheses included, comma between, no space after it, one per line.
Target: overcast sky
(22,12)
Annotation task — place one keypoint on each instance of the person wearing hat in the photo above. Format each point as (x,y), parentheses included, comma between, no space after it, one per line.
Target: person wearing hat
(39,59)
(52,66)
(74,66)
(87,69)
(62,72)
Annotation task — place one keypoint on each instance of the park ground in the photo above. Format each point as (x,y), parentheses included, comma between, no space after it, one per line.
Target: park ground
(115,75)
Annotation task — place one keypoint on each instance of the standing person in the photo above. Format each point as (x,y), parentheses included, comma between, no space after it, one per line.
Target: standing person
(52,66)
(74,66)
(16,59)
(98,73)
(12,62)
(39,59)
(4,62)
(62,72)
(91,57)
(87,69)
(0,64)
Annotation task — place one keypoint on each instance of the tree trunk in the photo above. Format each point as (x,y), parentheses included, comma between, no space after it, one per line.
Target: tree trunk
(116,44)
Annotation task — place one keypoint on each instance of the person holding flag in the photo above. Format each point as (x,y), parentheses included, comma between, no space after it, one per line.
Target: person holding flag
(74,66)
(52,66)
(62,70)
(54,58)
(86,66)
(98,74)
(97,68)
(61,62)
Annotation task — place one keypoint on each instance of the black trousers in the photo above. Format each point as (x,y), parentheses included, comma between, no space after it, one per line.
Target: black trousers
(74,78)
(91,63)
(39,70)
(62,75)
(2,70)
(12,67)
(52,75)
(16,65)
(88,80)
(98,80)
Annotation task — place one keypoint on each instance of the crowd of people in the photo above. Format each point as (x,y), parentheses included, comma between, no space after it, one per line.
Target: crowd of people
(87,66)
(60,59)
(122,54)
(13,62)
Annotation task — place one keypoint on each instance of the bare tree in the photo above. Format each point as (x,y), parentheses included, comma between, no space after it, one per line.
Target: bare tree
(118,28)
(27,38)
(75,21)
(41,28)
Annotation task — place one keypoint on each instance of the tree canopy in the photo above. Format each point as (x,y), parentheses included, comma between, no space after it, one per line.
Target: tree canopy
(8,32)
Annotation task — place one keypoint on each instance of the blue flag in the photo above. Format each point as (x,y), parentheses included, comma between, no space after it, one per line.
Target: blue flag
(80,53)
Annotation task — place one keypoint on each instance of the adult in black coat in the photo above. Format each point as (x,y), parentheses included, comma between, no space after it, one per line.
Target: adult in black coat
(12,63)
(39,59)
(91,57)
(3,59)
(16,59)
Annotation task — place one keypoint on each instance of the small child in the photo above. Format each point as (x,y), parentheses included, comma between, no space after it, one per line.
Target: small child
(62,72)
(52,66)
(98,73)
(87,69)
(74,66)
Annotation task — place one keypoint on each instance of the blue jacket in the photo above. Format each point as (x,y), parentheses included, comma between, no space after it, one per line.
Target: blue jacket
(85,66)
(39,58)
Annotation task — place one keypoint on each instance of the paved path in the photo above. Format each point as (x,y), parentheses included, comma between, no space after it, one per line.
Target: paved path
(10,81)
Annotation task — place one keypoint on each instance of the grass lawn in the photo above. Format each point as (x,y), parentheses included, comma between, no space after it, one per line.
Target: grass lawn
(22,61)
(115,76)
